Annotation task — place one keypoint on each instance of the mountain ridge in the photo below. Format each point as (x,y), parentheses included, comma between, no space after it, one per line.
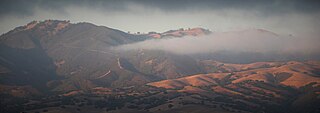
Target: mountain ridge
(59,66)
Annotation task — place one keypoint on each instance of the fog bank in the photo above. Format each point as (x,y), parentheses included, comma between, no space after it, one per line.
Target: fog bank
(253,40)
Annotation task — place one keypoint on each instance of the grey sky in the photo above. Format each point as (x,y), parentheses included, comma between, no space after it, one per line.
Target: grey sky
(297,17)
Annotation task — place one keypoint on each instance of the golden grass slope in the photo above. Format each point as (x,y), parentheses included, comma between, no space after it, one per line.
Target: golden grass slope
(293,73)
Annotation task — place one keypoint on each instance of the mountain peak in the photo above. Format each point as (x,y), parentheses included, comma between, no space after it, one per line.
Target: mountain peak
(31,25)
(260,30)
(181,33)
(51,26)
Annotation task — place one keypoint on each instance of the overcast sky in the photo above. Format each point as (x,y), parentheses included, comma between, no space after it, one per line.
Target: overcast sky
(296,17)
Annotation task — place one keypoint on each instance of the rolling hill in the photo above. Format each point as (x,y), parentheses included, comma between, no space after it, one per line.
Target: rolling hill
(58,66)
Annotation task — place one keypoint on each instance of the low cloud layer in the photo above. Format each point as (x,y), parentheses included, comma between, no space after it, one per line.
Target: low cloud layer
(238,41)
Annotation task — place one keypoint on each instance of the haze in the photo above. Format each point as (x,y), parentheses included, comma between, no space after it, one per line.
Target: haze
(252,40)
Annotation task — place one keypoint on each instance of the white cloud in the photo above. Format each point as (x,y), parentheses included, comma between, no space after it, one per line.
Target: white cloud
(251,40)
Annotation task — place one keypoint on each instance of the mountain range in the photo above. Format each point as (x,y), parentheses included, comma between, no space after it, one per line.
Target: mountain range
(58,66)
